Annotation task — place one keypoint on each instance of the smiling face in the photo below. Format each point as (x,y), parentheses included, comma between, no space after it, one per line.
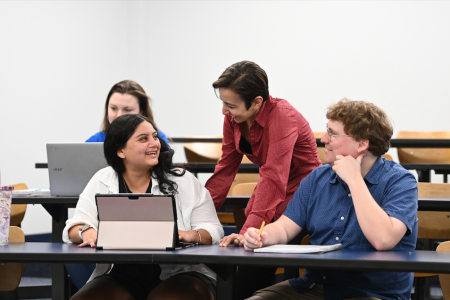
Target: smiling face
(142,149)
(234,106)
(341,144)
(121,104)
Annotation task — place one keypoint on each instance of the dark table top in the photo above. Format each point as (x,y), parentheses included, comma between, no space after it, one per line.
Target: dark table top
(409,261)
(425,203)
(405,143)
(253,168)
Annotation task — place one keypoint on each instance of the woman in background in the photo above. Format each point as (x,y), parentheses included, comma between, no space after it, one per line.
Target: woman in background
(140,163)
(125,97)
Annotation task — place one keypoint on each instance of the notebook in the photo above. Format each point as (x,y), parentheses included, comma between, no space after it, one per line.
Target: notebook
(72,165)
(137,222)
(298,248)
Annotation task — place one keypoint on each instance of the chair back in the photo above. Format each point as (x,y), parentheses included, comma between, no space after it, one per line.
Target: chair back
(18,210)
(434,224)
(241,189)
(243,177)
(11,273)
(387,156)
(424,155)
(444,279)
(203,152)
(320,150)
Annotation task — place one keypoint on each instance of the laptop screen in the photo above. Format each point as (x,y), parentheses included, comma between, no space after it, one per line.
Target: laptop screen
(72,165)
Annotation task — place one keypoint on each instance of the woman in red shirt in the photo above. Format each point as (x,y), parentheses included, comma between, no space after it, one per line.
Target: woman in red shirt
(272,134)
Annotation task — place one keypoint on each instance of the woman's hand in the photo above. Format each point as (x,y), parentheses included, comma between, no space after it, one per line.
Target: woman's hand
(190,236)
(89,237)
(236,239)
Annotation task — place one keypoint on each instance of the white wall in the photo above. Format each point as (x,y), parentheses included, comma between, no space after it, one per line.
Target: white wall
(58,60)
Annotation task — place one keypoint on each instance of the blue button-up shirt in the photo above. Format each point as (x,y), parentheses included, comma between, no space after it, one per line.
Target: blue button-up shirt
(323,205)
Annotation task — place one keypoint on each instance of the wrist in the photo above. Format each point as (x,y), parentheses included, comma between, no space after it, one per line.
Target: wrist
(83,229)
(199,237)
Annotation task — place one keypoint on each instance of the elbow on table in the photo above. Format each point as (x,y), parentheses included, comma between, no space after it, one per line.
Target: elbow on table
(384,245)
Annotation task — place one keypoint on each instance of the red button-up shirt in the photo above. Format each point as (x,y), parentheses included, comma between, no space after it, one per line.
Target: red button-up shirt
(284,147)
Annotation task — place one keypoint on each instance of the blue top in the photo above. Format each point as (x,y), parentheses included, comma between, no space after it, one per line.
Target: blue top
(323,205)
(100,137)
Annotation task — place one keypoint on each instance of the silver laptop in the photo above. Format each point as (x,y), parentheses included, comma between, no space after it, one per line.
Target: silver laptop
(72,165)
(137,222)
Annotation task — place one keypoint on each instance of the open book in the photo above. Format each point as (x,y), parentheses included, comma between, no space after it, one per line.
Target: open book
(298,248)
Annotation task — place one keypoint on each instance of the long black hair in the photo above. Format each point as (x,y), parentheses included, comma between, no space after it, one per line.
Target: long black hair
(117,136)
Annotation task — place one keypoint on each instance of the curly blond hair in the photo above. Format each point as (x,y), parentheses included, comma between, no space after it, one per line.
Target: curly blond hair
(363,121)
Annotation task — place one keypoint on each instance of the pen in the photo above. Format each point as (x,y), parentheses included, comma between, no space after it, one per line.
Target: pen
(260,230)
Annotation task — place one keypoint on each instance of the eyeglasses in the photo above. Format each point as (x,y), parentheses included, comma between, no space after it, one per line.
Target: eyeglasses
(337,135)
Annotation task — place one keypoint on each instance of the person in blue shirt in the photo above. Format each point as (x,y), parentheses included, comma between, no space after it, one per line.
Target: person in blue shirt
(358,199)
(125,97)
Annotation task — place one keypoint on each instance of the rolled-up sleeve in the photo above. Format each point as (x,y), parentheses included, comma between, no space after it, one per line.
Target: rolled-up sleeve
(86,209)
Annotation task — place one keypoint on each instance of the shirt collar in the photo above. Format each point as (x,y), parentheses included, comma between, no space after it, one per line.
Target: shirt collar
(373,177)
(262,118)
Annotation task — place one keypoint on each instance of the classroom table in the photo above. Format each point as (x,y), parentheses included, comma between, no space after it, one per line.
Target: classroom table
(57,207)
(395,143)
(225,259)
(423,169)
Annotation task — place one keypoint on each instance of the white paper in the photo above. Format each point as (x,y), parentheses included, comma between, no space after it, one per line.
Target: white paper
(298,248)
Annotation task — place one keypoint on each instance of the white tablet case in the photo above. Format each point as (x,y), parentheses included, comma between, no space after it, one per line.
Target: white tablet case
(136,222)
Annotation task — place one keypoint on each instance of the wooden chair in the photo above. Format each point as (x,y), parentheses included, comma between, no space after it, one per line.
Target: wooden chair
(18,210)
(387,156)
(425,155)
(203,152)
(444,279)
(11,273)
(244,178)
(228,217)
(432,225)
(320,150)
(241,189)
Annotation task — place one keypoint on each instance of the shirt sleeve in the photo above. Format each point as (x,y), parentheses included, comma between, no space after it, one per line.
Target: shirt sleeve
(86,209)
(203,214)
(401,199)
(98,137)
(270,191)
(297,208)
(219,183)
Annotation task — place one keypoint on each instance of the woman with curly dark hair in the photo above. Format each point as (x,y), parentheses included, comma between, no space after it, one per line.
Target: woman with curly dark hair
(141,162)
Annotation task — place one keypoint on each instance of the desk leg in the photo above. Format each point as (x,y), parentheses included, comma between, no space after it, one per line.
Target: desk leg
(59,273)
(59,282)
(226,275)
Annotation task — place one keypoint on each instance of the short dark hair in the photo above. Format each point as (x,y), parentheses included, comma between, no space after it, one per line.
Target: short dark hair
(133,88)
(363,121)
(117,136)
(246,79)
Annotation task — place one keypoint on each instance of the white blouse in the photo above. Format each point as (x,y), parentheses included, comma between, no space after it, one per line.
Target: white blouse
(195,210)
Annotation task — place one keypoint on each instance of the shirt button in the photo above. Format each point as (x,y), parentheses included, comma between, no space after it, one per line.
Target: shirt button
(324,277)
(342,218)
(337,238)
(349,195)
